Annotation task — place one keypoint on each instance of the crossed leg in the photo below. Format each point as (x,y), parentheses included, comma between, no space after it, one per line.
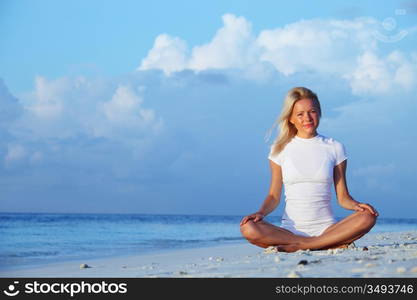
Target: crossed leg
(349,229)
(343,232)
(264,234)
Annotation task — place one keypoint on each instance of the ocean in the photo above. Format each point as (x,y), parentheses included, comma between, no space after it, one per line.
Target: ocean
(41,238)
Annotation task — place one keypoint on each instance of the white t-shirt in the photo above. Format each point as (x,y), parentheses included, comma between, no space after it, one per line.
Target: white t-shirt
(307,172)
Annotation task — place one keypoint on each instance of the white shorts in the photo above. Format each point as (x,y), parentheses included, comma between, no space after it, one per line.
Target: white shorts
(315,229)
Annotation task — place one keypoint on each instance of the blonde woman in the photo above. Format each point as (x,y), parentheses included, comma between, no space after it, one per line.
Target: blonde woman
(308,164)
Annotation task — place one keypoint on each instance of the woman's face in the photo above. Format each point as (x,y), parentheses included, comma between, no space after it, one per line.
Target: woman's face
(305,117)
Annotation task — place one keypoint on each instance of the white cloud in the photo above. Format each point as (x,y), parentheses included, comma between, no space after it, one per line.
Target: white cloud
(47,94)
(319,45)
(168,54)
(233,46)
(375,75)
(68,107)
(347,49)
(123,105)
(124,113)
(93,121)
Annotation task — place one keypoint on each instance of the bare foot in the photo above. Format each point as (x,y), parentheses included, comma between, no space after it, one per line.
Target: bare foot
(288,248)
(343,246)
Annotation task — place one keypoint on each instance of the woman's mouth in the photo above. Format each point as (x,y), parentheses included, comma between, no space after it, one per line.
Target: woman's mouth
(308,125)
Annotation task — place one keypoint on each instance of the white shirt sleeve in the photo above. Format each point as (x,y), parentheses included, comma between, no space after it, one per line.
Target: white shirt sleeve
(276,158)
(340,152)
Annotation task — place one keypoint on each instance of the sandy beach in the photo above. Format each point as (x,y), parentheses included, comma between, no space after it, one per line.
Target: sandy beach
(388,254)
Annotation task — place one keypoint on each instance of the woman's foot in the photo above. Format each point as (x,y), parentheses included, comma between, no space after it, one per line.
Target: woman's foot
(288,248)
(299,246)
(343,246)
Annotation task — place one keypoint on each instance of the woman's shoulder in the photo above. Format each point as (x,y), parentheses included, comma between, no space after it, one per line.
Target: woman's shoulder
(330,140)
(337,148)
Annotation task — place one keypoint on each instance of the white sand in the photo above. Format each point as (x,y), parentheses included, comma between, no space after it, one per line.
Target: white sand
(391,254)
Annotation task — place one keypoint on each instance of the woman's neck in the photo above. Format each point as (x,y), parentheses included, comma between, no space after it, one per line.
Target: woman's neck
(306,136)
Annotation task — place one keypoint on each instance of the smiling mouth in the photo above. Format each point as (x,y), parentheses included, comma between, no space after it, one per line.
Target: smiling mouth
(308,125)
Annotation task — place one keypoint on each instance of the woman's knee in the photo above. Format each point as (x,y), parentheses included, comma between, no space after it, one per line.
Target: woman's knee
(250,231)
(367,220)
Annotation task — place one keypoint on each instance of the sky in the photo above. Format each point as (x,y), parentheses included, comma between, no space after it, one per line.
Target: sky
(163,107)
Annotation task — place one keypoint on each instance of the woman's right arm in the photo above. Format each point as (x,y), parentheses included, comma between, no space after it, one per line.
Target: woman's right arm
(272,199)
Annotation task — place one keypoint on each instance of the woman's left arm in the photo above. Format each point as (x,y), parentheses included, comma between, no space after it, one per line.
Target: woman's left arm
(344,199)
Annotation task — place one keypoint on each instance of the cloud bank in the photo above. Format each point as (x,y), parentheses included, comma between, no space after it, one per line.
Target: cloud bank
(347,49)
(184,132)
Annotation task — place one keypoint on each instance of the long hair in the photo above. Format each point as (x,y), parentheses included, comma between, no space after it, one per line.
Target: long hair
(286,129)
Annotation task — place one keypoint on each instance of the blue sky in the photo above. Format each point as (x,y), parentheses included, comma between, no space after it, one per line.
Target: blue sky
(162,107)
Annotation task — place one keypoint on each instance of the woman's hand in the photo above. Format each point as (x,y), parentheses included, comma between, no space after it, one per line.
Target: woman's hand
(256,217)
(364,207)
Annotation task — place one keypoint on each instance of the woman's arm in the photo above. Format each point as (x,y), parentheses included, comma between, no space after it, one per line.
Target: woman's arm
(272,199)
(344,199)
(274,196)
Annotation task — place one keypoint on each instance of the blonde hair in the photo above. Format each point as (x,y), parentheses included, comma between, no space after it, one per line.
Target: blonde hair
(286,129)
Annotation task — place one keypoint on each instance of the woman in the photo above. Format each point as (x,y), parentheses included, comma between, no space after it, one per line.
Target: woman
(308,164)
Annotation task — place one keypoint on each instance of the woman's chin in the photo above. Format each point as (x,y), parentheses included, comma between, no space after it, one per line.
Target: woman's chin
(309,131)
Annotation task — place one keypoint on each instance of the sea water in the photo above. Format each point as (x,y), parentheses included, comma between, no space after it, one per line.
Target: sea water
(41,238)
